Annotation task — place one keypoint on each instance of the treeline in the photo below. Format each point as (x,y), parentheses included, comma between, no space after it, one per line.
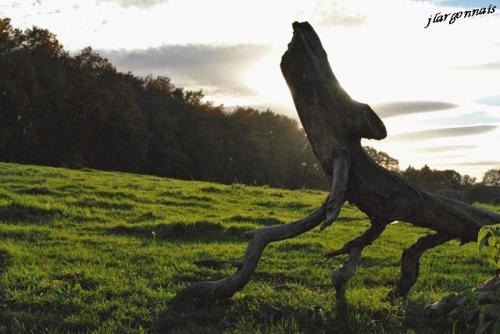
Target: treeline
(445,182)
(462,187)
(79,111)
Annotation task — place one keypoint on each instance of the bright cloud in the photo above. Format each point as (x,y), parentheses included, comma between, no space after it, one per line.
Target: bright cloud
(136,3)
(196,65)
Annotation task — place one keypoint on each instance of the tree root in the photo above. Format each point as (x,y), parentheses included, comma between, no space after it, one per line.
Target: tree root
(337,194)
(362,241)
(258,240)
(341,275)
(410,263)
(334,124)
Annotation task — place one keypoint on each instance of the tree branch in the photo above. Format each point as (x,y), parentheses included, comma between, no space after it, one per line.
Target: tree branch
(372,233)
(258,240)
(337,196)
(410,262)
(343,274)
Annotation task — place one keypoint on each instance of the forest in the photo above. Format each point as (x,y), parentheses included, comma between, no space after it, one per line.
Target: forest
(77,110)
(129,204)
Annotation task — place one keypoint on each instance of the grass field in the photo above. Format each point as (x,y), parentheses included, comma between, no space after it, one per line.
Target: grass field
(78,254)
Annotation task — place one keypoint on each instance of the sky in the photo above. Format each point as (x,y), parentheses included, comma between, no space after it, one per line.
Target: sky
(437,89)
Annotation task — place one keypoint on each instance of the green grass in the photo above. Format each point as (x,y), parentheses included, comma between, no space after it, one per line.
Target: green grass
(78,254)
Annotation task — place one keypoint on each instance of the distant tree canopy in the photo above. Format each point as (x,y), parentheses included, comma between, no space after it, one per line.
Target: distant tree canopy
(383,159)
(79,111)
(492,178)
(431,179)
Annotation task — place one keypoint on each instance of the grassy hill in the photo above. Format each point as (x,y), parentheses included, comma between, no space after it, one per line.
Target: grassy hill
(78,254)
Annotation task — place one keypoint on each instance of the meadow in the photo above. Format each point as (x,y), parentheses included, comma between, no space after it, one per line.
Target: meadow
(104,252)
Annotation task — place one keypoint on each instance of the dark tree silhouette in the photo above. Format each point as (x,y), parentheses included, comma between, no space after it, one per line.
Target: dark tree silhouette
(492,178)
(335,124)
(79,111)
(383,159)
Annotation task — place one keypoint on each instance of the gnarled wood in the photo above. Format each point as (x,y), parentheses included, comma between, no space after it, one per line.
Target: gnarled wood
(337,195)
(354,248)
(410,262)
(335,124)
(258,240)
(362,241)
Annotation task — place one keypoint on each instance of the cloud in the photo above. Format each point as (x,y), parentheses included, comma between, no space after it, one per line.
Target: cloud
(460,3)
(485,66)
(444,132)
(401,108)
(340,18)
(439,149)
(477,163)
(465,3)
(216,66)
(490,100)
(14,4)
(135,3)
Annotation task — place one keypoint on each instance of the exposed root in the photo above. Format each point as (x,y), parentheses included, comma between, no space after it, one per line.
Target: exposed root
(485,217)
(410,262)
(362,241)
(334,124)
(337,193)
(341,275)
(258,240)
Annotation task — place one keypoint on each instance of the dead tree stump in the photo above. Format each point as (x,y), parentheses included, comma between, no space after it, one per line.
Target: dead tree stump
(335,124)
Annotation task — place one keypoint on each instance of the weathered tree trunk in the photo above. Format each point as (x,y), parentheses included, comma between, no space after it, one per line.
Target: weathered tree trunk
(335,124)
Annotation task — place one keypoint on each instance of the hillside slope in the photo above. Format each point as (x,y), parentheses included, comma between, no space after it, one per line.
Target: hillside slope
(91,251)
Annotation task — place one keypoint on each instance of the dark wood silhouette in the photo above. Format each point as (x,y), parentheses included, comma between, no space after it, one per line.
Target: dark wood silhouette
(335,124)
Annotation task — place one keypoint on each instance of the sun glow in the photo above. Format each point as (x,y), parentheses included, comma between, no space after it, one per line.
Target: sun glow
(379,51)
(265,78)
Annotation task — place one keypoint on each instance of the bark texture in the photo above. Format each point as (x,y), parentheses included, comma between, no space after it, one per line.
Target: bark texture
(335,125)
(410,263)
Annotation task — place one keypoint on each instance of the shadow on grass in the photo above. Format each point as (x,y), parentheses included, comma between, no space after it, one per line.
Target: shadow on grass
(117,195)
(93,203)
(18,212)
(197,231)
(144,217)
(34,191)
(289,205)
(308,247)
(31,234)
(185,204)
(249,315)
(266,221)
(227,315)
(348,219)
(5,262)
(212,190)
